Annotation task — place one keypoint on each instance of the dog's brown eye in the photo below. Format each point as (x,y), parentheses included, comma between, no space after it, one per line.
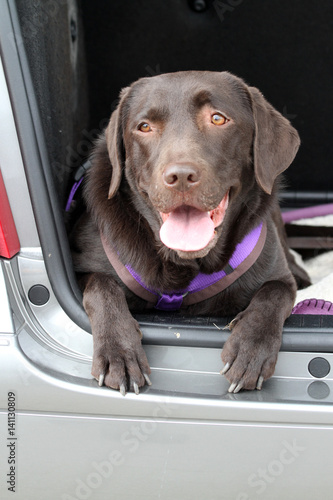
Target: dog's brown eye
(218,119)
(144,127)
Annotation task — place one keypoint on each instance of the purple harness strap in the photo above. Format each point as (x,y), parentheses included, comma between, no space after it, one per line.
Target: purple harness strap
(75,187)
(203,286)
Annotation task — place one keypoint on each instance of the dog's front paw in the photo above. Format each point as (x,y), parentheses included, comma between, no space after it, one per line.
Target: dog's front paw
(250,354)
(121,363)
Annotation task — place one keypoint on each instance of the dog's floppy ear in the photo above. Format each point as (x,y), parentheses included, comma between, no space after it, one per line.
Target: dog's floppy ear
(275,141)
(114,141)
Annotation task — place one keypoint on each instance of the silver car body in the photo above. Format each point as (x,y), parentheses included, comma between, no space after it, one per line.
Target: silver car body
(183,438)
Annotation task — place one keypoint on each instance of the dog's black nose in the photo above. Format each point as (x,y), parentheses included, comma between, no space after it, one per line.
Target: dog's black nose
(181,176)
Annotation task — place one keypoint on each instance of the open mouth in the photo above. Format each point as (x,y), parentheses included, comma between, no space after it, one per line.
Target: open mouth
(189,229)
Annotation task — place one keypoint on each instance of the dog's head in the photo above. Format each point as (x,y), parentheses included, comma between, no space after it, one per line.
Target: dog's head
(190,144)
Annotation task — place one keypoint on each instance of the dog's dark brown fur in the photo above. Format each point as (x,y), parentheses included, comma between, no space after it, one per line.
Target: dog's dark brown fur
(126,191)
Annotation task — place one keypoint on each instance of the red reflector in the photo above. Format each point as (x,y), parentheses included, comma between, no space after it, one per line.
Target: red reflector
(9,242)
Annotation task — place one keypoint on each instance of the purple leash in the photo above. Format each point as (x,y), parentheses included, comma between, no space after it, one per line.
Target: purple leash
(307,213)
(310,306)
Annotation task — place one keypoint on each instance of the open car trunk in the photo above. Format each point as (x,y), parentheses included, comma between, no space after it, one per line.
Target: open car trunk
(80,54)
(72,58)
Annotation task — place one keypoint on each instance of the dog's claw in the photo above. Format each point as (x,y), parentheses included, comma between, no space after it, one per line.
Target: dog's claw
(122,390)
(259,383)
(233,387)
(238,387)
(136,388)
(225,369)
(147,379)
(101,379)
(230,325)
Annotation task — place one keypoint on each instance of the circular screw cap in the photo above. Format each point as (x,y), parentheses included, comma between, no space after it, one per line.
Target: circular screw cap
(38,295)
(319,367)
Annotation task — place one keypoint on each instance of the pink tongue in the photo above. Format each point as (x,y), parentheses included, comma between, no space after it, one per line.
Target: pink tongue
(187,229)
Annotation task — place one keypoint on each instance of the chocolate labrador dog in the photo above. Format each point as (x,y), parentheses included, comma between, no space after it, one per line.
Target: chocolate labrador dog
(182,213)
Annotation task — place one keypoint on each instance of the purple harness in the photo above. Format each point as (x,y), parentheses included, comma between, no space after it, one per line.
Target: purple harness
(203,286)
